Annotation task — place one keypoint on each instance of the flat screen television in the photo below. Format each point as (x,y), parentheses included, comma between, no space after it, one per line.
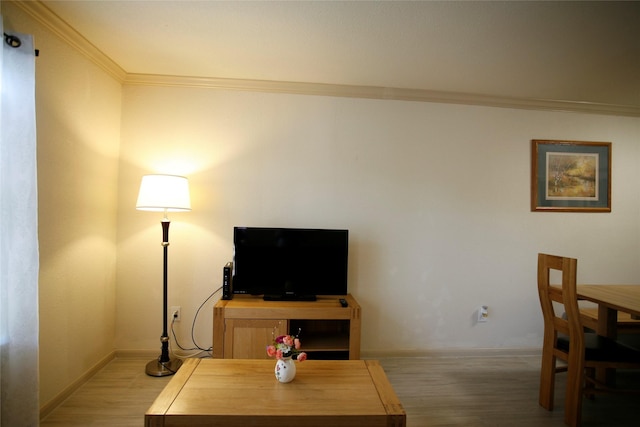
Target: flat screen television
(290,263)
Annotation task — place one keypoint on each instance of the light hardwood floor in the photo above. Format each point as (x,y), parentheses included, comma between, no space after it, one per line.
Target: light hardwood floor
(435,391)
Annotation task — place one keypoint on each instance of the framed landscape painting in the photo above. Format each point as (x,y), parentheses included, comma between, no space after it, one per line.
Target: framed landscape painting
(570,176)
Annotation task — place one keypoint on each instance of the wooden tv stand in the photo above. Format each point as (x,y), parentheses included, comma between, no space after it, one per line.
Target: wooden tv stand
(245,325)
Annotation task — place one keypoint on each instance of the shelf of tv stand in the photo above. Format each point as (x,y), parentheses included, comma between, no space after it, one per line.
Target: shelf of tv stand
(245,325)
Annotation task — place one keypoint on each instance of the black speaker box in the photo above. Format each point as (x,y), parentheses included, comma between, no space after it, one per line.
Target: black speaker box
(227,281)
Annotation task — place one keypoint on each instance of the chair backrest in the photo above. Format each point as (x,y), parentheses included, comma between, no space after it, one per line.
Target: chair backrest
(565,294)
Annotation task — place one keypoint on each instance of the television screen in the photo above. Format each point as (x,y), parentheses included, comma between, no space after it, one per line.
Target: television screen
(290,263)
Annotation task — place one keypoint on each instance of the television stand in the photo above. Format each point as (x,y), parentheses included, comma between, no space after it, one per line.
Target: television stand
(245,325)
(289,297)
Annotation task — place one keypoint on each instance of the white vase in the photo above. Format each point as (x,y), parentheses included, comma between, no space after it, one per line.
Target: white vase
(285,370)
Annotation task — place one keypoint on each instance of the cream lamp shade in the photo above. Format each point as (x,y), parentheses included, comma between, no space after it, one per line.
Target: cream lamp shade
(168,193)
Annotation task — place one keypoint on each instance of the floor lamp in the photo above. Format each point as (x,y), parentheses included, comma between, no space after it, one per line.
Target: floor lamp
(164,193)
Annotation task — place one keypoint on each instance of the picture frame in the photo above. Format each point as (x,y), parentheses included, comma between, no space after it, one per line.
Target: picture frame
(570,176)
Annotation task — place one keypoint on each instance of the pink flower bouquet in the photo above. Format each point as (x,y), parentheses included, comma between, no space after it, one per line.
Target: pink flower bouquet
(286,346)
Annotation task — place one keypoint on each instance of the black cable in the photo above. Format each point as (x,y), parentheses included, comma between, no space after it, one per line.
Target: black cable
(193,325)
(175,338)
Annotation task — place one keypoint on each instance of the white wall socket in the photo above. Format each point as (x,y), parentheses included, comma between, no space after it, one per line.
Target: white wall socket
(483,313)
(172,313)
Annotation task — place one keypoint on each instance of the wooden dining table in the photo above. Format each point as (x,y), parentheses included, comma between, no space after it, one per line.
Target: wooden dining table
(610,300)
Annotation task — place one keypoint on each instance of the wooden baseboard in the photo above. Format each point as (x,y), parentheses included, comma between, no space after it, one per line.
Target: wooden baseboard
(68,391)
(137,354)
(464,352)
(154,354)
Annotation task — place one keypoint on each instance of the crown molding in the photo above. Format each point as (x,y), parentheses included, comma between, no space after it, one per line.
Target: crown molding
(45,16)
(385,93)
(41,13)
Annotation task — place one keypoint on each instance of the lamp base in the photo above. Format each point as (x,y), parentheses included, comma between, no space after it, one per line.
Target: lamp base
(155,368)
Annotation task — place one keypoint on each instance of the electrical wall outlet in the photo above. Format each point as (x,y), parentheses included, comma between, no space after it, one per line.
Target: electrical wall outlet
(174,313)
(483,313)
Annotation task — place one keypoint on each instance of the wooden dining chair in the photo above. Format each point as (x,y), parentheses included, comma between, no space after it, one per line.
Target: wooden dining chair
(565,339)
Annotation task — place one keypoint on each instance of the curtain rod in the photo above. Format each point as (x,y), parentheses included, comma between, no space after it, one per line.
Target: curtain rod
(15,42)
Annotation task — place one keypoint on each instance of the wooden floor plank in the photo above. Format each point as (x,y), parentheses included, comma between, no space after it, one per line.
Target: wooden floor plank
(434,391)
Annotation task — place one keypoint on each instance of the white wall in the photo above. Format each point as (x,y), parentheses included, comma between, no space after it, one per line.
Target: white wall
(436,198)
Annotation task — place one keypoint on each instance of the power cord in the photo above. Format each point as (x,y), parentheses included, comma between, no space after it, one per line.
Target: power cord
(193,325)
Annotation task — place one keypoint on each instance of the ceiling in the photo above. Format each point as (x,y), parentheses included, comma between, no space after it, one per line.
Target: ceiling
(582,52)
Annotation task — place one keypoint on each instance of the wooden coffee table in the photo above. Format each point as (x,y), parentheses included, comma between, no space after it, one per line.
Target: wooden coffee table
(240,392)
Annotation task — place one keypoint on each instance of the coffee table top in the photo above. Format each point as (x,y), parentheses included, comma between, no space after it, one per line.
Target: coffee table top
(233,391)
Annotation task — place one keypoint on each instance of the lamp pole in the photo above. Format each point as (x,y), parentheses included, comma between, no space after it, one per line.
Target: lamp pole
(164,193)
(164,365)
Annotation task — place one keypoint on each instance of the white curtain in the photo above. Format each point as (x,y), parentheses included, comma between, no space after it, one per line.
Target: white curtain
(18,236)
